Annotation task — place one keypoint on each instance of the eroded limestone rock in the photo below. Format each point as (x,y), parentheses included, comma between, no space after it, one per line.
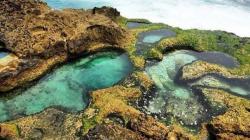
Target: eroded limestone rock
(31,30)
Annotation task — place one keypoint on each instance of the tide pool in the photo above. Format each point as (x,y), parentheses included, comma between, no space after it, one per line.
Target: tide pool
(179,101)
(67,87)
(173,101)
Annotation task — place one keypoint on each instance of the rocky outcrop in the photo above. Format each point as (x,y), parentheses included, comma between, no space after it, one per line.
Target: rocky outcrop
(31,30)
(200,68)
(50,124)
(9,131)
(107,11)
(115,100)
(112,132)
(234,123)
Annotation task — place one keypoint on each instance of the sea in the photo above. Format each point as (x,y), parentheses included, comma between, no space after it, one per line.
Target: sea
(227,15)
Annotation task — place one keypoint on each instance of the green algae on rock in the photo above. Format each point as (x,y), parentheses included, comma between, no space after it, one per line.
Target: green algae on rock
(67,87)
(232,124)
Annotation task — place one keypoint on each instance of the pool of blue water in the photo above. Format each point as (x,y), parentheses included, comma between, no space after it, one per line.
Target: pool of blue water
(174,100)
(67,87)
(132,25)
(3,54)
(146,40)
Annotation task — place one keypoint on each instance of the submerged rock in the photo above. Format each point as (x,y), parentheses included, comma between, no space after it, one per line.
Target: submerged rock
(173,100)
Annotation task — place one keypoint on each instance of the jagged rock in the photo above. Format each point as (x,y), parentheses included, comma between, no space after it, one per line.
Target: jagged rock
(51,123)
(107,11)
(9,131)
(112,132)
(149,127)
(234,123)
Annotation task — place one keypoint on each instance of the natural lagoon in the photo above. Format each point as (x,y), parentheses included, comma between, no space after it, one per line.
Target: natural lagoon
(67,87)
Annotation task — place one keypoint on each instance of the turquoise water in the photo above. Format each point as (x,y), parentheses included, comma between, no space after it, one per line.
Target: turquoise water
(67,87)
(3,54)
(173,100)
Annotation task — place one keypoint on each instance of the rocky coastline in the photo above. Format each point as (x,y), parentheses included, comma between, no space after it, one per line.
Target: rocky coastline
(39,38)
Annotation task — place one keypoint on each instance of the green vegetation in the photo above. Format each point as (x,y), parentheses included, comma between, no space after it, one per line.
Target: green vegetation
(193,39)
(200,40)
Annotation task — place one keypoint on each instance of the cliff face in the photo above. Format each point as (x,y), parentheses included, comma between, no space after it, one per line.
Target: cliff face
(44,37)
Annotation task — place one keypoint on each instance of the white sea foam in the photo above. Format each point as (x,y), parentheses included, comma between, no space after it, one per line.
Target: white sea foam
(229,15)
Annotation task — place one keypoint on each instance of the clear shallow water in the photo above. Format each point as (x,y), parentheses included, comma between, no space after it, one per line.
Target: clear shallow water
(174,100)
(229,15)
(67,87)
(3,54)
(147,39)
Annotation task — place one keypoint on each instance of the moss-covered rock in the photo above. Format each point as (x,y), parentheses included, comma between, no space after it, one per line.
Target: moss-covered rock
(234,123)
(200,68)
(49,124)
(112,132)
